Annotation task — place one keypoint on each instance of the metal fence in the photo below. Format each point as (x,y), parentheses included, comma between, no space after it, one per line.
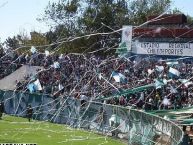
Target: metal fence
(138,127)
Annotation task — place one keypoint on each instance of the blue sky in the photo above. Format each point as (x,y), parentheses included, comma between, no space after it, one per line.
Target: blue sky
(186,6)
(19,16)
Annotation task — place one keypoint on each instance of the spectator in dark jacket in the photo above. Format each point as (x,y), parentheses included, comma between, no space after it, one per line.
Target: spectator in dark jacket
(1,109)
(29,112)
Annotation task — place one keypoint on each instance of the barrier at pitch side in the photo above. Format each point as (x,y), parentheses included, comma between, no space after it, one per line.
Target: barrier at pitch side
(137,127)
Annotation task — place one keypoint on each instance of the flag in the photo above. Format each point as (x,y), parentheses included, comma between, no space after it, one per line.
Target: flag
(186,82)
(166,101)
(31,88)
(126,71)
(83,97)
(100,76)
(183,80)
(115,119)
(137,61)
(56,65)
(159,68)
(143,80)
(60,87)
(171,63)
(173,72)
(33,49)
(47,53)
(150,71)
(61,56)
(158,84)
(122,50)
(165,81)
(118,77)
(37,85)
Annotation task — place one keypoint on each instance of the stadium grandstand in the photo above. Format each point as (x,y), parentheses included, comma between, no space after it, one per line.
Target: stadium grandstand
(143,96)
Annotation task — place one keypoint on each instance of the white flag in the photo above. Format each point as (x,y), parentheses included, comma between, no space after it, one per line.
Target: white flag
(166,101)
(159,68)
(183,80)
(174,71)
(118,77)
(47,53)
(60,87)
(100,76)
(165,81)
(83,97)
(186,82)
(150,71)
(61,56)
(172,63)
(38,85)
(56,65)
(158,83)
(33,49)
(115,119)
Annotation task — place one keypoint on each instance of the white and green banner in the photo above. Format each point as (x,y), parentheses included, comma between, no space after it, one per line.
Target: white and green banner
(160,48)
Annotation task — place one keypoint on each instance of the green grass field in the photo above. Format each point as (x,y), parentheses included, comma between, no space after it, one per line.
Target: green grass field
(19,130)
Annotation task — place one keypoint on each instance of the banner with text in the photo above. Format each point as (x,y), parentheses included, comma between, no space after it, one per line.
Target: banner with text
(160,48)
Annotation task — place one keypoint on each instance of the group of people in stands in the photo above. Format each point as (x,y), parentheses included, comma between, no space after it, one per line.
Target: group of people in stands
(100,78)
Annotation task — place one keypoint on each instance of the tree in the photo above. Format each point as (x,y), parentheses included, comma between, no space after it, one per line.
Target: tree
(1,49)
(61,13)
(82,17)
(12,43)
(189,18)
(24,43)
(1,44)
(38,39)
(139,10)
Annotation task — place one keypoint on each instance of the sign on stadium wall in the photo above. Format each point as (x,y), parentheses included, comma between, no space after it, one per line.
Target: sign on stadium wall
(157,48)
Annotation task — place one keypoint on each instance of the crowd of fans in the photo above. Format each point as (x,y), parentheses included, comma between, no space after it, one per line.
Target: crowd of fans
(89,77)
(7,65)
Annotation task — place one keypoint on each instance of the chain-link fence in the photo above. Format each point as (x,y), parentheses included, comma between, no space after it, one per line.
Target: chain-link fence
(138,127)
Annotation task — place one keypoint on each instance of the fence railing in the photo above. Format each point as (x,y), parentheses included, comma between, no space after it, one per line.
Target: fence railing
(138,127)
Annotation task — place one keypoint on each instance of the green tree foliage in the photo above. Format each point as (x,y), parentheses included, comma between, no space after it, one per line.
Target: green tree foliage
(189,18)
(140,9)
(38,39)
(1,49)
(12,43)
(22,43)
(1,44)
(82,17)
